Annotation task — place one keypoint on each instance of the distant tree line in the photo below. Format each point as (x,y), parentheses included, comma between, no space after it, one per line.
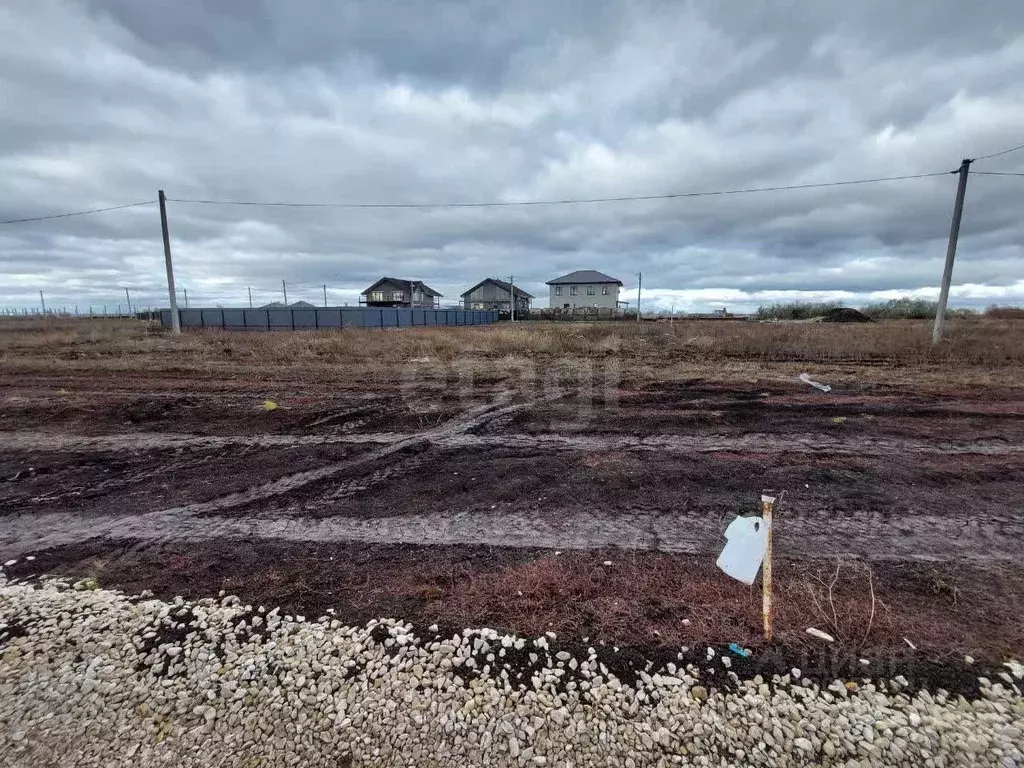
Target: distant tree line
(894,309)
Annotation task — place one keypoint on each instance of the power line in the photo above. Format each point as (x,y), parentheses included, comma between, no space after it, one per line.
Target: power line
(996,173)
(997,154)
(672,196)
(78,213)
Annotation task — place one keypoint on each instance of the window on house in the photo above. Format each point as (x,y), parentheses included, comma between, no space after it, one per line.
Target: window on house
(573,290)
(558,290)
(376,296)
(398,295)
(604,290)
(590,290)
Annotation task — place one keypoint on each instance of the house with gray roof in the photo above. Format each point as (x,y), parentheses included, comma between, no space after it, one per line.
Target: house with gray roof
(584,288)
(399,292)
(496,294)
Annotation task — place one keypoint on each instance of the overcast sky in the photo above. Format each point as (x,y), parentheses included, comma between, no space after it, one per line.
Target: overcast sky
(106,101)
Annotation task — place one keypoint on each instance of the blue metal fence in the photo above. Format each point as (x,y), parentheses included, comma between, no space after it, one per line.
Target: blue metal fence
(293,319)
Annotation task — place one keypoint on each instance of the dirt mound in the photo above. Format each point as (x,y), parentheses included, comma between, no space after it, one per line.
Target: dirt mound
(845,315)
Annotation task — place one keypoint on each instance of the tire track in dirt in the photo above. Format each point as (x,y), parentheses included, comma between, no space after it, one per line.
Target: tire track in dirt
(449,435)
(938,538)
(471,419)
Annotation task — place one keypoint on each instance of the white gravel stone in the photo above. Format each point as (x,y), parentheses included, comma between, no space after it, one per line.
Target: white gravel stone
(97,679)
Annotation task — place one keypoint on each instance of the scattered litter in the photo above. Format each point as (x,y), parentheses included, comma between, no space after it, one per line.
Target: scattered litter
(269,405)
(912,646)
(419,360)
(820,635)
(10,563)
(969,659)
(558,551)
(686,622)
(607,563)
(519,592)
(851,686)
(838,419)
(30,558)
(806,379)
(746,543)
(739,650)
(865,662)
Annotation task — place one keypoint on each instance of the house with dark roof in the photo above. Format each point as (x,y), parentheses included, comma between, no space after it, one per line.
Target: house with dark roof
(495,294)
(398,292)
(584,288)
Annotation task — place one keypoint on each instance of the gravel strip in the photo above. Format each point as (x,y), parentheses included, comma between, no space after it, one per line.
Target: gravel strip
(92,677)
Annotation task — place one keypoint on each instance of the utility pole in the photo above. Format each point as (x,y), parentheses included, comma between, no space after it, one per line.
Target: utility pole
(639,283)
(954,235)
(129,298)
(186,297)
(512,296)
(284,288)
(325,294)
(42,301)
(175,320)
(250,296)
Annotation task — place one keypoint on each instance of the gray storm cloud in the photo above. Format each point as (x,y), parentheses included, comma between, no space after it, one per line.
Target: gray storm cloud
(105,102)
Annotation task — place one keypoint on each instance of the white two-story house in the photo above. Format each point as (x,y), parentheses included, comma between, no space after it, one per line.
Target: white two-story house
(584,288)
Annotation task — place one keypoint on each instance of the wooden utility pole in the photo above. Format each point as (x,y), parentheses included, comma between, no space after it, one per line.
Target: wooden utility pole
(325,294)
(175,320)
(512,296)
(186,297)
(639,283)
(284,289)
(954,235)
(249,288)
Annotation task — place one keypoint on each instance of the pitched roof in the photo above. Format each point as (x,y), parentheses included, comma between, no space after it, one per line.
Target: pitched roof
(302,305)
(584,276)
(519,292)
(409,285)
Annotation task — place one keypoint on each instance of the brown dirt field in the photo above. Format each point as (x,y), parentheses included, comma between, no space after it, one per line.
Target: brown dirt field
(442,489)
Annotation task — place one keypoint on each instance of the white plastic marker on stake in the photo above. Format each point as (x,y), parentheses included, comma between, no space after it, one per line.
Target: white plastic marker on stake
(746,542)
(748,546)
(806,379)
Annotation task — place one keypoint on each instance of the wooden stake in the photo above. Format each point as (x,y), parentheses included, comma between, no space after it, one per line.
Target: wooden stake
(767,508)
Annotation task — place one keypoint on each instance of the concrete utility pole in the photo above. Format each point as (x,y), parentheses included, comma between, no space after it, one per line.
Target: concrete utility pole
(250,297)
(512,296)
(42,301)
(325,294)
(129,298)
(284,288)
(186,297)
(639,283)
(175,320)
(954,235)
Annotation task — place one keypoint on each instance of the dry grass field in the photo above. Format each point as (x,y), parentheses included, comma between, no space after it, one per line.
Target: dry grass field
(485,475)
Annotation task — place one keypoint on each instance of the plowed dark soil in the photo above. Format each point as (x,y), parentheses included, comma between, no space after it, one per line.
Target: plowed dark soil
(186,484)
